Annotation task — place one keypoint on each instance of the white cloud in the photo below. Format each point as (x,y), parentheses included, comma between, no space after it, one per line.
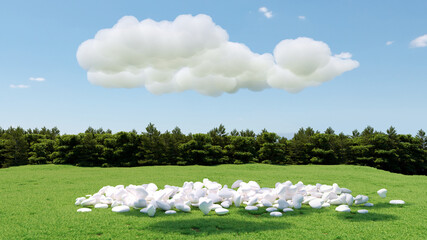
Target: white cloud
(37,79)
(301,17)
(388,43)
(344,55)
(420,41)
(18,86)
(264,10)
(193,53)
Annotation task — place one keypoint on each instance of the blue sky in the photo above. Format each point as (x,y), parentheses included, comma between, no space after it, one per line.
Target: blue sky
(41,38)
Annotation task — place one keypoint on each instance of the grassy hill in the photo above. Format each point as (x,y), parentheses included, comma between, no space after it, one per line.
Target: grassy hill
(38,202)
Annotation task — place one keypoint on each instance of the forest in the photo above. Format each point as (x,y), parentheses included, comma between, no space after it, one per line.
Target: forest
(400,153)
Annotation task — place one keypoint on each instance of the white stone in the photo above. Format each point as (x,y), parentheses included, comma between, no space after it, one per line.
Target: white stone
(397,202)
(121,209)
(326,204)
(336,201)
(204,206)
(151,210)
(169,212)
(88,202)
(282,204)
(221,211)
(84,210)
(362,211)
(236,184)
(252,201)
(215,206)
(316,203)
(271,209)
(308,199)
(144,210)
(382,192)
(101,205)
(336,189)
(183,207)
(225,204)
(345,190)
(287,210)
(116,203)
(276,214)
(79,200)
(325,188)
(368,204)
(140,203)
(342,208)
(238,200)
(251,208)
(163,205)
(297,200)
(266,203)
(360,199)
(225,193)
(349,199)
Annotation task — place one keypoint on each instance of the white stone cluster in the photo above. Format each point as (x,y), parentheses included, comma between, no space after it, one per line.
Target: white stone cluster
(210,196)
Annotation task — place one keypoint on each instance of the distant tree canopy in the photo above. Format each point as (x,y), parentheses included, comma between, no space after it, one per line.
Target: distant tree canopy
(401,153)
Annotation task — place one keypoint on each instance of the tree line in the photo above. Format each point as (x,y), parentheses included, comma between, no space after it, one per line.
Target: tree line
(401,153)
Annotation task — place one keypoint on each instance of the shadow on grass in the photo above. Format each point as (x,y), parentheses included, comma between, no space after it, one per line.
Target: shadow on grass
(217,225)
(357,217)
(262,213)
(388,205)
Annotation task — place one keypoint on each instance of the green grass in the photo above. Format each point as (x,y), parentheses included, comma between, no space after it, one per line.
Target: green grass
(37,202)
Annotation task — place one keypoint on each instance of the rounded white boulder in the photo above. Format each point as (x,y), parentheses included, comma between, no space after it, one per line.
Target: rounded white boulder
(170,212)
(282,204)
(276,214)
(382,192)
(101,205)
(271,209)
(121,209)
(151,211)
(84,210)
(397,202)
(183,207)
(316,203)
(225,204)
(342,208)
(266,203)
(326,204)
(362,211)
(368,204)
(221,211)
(251,208)
(287,210)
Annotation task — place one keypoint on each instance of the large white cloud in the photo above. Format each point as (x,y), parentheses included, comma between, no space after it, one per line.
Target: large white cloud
(193,53)
(420,41)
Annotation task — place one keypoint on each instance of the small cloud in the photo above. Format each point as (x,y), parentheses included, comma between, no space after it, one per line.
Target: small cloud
(420,41)
(388,43)
(344,55)
(37,79)
(301,17)
(18,86)
(264,10)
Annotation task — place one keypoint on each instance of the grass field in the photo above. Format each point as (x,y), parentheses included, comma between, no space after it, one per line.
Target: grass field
(37,202)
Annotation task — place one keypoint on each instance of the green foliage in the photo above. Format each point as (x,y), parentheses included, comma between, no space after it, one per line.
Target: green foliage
(97,147)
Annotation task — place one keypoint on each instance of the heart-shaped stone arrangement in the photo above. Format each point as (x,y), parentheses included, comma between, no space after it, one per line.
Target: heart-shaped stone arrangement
(211,196)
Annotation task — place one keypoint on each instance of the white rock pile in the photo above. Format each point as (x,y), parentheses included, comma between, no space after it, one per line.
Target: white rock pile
(210,196)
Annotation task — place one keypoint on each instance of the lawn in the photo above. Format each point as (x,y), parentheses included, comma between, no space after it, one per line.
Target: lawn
(37,202)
